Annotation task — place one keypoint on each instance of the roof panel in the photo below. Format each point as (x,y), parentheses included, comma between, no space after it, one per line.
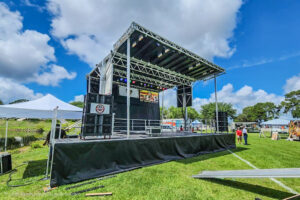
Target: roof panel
(150,47)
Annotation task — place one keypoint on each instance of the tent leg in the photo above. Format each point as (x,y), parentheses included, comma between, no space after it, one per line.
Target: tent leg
(59,130)
(52,133)
(6,129)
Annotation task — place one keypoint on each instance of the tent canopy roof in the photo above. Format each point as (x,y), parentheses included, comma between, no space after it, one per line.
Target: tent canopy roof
(276,122)
(47,102)
(41,108)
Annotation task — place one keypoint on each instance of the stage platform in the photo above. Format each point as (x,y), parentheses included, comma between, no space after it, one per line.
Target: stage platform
(76,160)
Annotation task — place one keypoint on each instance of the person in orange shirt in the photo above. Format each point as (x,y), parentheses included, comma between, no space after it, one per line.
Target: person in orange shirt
(239,135)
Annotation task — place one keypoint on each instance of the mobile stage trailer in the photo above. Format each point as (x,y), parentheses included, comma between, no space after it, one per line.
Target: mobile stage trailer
(121,118)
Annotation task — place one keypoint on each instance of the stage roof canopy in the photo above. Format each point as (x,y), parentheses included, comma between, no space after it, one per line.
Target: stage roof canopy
(150,47)
(157,61)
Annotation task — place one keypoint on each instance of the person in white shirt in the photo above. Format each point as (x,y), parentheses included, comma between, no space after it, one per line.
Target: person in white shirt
(245,134)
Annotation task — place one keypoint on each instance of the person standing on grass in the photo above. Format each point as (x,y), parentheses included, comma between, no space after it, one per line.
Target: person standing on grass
(239,135)
(245,134)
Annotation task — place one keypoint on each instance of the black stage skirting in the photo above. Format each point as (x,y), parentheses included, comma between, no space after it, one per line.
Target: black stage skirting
(75,161)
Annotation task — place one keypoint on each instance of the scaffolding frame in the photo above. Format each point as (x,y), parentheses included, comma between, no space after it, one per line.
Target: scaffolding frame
(180,67)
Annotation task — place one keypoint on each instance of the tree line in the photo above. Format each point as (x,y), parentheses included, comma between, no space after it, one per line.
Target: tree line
(256,113)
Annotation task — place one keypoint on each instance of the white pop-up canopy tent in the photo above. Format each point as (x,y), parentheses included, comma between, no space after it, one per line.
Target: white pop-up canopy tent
(276,122)
(41,108)
(47,107)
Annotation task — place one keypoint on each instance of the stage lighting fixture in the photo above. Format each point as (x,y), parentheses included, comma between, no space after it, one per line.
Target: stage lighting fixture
(121,79)
(167,50)
(159,55)
(133,82)
(133,44)
(191,67)
(125,80)
(141,37)
(145,84)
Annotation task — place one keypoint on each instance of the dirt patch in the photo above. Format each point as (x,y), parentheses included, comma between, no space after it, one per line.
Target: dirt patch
(23,149)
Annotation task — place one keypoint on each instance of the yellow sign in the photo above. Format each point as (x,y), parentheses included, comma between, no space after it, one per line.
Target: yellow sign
(148,96)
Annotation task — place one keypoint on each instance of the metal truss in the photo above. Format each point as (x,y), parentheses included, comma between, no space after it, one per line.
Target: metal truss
(145,79)
(148,69)
(134,26)
(138,87)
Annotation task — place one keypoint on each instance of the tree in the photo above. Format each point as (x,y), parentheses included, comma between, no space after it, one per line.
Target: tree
(258,113)
(192,113)
(166,113)
(19,101)
(175,113)
(208,111)
(291,103)
(1,102)
(79,104)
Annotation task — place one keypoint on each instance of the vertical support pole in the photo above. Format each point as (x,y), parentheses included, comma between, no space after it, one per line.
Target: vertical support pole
(89,84)
(59,130)
(113,124)
(216,99)
(128,87)
(201,126)
(185,110)
(6,129)
(162,109)
(132,126)
(51,140)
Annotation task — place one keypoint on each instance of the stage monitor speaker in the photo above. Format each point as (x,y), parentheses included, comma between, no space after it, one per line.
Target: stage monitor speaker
(180,93)
(5,162)
(223,121)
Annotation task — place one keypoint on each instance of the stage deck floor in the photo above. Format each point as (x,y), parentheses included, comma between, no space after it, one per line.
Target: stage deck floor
(76,160)
(134,136)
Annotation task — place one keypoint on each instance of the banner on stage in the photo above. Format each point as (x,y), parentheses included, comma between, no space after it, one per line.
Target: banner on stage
(148,96)
(133,92)
(100,109)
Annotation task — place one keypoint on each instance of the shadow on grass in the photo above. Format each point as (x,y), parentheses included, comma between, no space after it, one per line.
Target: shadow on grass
(35,168)
(260,190)
(209,155)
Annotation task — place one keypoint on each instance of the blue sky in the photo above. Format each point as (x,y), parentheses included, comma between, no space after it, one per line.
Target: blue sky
(257,42)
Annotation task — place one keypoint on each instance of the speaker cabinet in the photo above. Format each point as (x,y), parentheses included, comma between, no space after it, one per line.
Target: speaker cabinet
(223,121)
(5,162)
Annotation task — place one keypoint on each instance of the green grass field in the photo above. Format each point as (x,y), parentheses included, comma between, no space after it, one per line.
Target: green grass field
(170,180)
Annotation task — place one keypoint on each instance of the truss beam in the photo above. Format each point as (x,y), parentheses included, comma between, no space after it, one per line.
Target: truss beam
(134,26)
(149,69)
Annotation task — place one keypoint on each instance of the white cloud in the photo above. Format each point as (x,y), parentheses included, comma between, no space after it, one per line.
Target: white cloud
(263,61)
(22,53)
(241,98)
(53,78)
(25,55)
(10,91)
(79,98)
(169,98)
(89,28)
(292,84)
